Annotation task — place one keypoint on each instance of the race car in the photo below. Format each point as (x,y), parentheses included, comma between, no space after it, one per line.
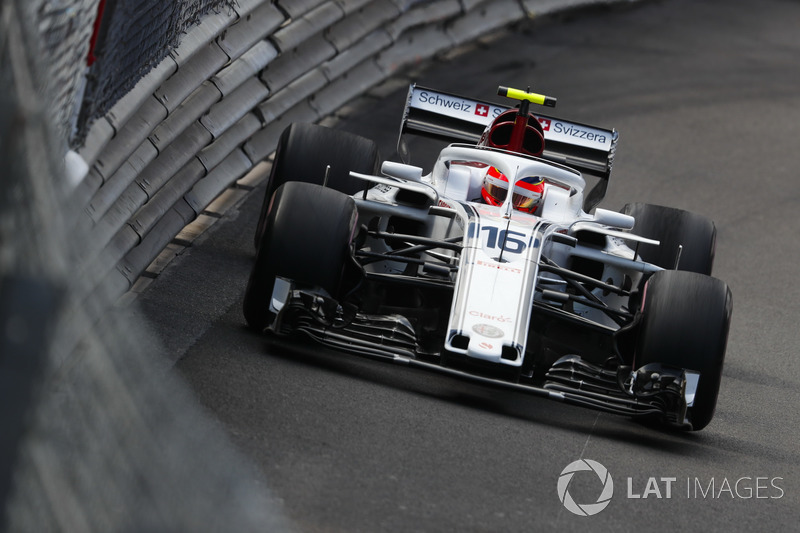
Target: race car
(497,265)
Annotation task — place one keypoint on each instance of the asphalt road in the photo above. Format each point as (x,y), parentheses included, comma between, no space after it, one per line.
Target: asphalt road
(706,96)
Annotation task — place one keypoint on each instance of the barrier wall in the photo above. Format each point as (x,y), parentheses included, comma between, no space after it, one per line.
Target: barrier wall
(95,433)
(215,107)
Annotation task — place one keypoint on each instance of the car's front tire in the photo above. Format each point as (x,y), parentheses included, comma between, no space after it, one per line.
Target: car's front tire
(306,239)
(685,318)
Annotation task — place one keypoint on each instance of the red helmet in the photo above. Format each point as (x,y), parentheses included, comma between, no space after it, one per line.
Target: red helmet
(527,192)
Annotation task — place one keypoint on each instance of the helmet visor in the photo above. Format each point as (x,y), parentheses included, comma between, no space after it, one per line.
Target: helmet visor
(525,197)
(496,188)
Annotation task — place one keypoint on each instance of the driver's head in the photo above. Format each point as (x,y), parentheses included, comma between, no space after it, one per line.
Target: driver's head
(527,191)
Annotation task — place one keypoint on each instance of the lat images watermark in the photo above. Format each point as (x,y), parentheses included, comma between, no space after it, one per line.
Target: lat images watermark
(596,479)
(585,509)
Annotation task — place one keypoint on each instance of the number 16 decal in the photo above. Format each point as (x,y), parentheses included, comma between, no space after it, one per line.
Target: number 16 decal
(497,237)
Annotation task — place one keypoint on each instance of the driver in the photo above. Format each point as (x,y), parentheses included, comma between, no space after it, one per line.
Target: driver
(527,191)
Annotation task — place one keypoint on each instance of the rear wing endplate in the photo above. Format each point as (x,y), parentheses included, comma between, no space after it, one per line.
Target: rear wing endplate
(453,118)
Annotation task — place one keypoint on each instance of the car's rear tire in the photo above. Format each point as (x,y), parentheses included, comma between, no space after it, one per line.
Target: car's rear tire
(306,239)
(674,227)
(685,318)
(304,152)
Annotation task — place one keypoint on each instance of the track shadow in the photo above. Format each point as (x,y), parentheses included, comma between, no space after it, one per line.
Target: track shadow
(495,400)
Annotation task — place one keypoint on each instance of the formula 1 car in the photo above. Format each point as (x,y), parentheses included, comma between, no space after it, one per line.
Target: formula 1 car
(497,265)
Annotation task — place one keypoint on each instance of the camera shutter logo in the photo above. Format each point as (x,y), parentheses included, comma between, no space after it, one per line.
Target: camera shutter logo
(585,509)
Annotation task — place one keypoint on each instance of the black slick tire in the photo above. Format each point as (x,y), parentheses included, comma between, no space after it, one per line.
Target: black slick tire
(685,318)
(695,233)
(306,150)
(306,239)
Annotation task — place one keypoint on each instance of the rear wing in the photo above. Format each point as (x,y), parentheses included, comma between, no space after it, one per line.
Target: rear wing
(454,118)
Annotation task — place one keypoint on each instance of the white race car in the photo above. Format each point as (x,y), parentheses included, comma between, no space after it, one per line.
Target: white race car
(497,265)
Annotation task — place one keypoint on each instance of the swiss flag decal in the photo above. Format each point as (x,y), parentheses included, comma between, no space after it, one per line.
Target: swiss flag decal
(545,124)
(482,110)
